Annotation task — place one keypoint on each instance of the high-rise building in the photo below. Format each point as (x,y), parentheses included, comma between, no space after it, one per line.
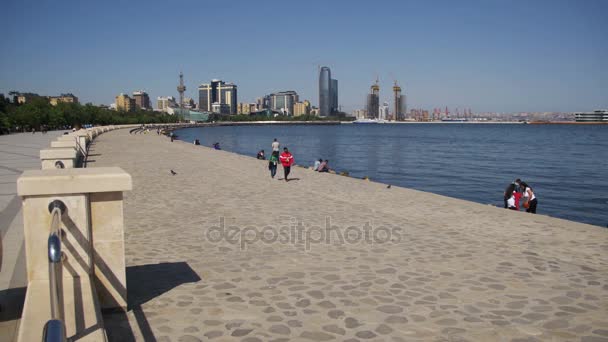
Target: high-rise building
(125,103)
(284,101)
(218,92)
(373,101)
(163,103)
(334,96)
(399,110)
(301,108)
(142,100)
(325,96)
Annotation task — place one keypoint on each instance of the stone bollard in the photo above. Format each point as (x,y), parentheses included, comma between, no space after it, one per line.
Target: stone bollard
(59,158)
(93,272)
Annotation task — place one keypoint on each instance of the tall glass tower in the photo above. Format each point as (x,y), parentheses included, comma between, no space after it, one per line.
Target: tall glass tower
(325,98)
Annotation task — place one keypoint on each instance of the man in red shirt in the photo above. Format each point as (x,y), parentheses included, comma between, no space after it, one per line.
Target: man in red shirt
(286,159)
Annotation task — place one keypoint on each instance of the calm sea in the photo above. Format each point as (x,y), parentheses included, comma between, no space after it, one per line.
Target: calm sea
(566,165)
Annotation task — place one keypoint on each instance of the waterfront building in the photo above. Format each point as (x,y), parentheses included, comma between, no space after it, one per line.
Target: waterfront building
(383,111)
(599,115)
(328,93)
(314,111)
(125,103)
(63,98)
(220,108)
(360,113)
(301,108)
(142,100)
(334,96)
(324,91)
(218,92)
(189,103)
(263,102)
(284,101)
(163,103)
(247,108)
(373,101)
(399,101)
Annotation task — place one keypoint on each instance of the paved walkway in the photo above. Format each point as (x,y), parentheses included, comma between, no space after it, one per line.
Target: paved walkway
(394,265)
(18,152)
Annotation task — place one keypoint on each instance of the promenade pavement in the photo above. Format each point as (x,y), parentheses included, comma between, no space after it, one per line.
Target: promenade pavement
(394,265)
(18,152)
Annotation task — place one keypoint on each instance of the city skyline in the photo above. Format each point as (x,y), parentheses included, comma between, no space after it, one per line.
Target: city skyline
(492,57)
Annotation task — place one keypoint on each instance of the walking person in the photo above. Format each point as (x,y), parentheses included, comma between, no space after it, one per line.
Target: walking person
(530,201)
(275,145)
(273,162)
(287,160)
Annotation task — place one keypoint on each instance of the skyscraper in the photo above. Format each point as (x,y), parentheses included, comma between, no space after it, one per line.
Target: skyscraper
(217,92)
(399,112)
(325,96)
(334,96)
(373,101)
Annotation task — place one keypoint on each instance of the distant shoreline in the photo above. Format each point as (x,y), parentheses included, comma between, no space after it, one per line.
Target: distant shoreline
(327,123)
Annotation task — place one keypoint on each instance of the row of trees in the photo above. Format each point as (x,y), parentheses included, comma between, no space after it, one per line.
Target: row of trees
(38,114)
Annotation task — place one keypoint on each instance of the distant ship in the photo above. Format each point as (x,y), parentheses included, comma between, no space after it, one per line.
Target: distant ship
(369,121)
(448,119)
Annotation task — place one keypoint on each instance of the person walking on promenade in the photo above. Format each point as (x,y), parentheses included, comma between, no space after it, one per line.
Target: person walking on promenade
(530,202)
(275,145)
(286,159)
(273,161)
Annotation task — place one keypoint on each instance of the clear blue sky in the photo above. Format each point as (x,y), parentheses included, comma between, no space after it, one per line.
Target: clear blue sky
(489,55)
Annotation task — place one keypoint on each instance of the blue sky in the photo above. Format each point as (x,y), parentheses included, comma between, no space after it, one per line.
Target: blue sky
(489,55)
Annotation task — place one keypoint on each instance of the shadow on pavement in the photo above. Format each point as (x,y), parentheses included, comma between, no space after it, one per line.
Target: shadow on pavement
(144,283)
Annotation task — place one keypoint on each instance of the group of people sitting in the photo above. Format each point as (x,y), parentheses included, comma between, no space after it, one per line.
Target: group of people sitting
(321,165)
(515,191)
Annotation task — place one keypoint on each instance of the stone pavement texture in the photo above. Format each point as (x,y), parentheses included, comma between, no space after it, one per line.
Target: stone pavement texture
(411,266)
(18,152)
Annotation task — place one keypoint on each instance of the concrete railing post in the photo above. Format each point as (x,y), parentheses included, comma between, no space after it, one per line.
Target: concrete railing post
(59,158)
(93,236)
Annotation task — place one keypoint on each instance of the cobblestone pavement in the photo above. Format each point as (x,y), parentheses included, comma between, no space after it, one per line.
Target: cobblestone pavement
(220,251)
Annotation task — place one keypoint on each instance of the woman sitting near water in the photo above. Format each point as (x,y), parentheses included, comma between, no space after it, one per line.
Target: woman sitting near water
(510,200)
(530,202)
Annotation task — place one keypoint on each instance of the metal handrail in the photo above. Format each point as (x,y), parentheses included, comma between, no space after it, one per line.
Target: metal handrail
(54,329)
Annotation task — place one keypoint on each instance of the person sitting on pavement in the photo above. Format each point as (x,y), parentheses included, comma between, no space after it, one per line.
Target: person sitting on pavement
(317,163)
(261,155)
(324,167)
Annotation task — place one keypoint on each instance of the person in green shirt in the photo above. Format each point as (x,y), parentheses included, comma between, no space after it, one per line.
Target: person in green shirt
(273,162)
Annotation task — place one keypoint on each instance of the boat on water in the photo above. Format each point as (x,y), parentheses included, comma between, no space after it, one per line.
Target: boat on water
(370,121)
(448,119)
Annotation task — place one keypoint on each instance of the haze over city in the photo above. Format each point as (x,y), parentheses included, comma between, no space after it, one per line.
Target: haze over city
(489,56)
